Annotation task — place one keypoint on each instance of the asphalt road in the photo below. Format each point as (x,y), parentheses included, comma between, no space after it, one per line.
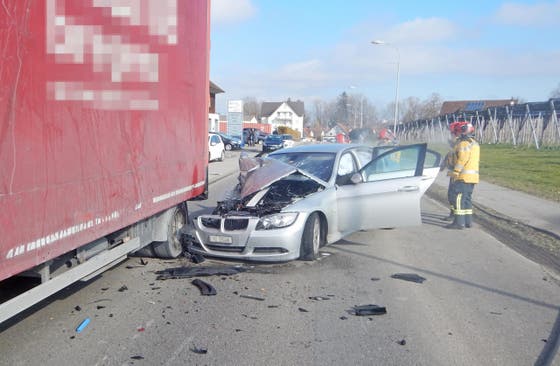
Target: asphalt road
(481,304)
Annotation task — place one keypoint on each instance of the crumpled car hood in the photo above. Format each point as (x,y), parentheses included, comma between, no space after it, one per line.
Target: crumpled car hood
(266,186)
(258,173)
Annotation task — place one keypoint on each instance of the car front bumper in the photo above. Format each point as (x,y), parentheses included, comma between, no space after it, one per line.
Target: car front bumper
(236,237)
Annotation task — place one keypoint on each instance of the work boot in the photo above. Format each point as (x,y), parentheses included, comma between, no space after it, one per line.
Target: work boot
(458,223)
(468,220)
(451,216)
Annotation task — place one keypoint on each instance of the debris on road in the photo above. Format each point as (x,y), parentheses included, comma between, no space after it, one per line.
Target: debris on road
(143,262)
(252,297)
(197,258)
(371,309)
(375,279)
(186,272)
(137,357)
(82,325)
(319,298)
(123,288)
(303,310)
(343,317)
(99,307)
(199,350)
(402,342)
(78,308)
(205,288)
(411,277)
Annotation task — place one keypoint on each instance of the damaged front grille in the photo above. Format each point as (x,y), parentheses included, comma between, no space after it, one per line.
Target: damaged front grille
(236,224)
(210,222)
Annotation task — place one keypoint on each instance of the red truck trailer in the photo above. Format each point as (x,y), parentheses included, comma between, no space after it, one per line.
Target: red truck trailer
(103,134)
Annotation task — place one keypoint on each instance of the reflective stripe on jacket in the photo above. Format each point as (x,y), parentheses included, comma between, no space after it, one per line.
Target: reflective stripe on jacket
(467,157)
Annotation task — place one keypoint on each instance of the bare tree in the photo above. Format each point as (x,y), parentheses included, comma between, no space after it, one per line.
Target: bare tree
(251,108)
(411,109)
(431,106)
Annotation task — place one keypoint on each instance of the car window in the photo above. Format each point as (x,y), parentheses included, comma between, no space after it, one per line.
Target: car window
(346,164)
(317,164)
(396,163)
(364,155)
(215,139)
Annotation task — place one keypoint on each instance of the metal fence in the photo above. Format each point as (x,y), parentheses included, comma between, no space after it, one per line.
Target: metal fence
(528,124)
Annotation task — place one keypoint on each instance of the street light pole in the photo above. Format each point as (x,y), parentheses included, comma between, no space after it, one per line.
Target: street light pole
(396,117)
(361,107)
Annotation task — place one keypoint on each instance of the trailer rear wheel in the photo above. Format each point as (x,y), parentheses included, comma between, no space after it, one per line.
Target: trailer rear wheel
(172,248)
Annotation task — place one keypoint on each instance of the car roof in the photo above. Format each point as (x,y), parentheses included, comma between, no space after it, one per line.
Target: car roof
(320,148)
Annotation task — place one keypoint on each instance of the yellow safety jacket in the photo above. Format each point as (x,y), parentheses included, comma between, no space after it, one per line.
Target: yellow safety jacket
(467,158)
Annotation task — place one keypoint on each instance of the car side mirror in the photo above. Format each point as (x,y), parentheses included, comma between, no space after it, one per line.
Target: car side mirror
(356,178)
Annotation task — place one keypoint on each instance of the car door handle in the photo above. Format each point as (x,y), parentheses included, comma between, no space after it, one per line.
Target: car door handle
(409,189)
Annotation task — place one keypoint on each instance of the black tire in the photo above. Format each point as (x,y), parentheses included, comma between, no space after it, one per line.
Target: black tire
(171,248)
(228,147)
(312,238)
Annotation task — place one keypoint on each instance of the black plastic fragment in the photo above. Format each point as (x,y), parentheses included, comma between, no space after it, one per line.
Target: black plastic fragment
(402,342)
(99,307)
(78,308)
(137,357)
(412,277)
(199,350)
(205,288)
(303,310)
(363,310)
(252,297)
(197,258)
(123,288)
(186,272)
(319,298)
(143,262)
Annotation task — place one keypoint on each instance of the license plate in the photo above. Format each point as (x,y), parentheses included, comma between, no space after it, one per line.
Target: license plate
(220,239)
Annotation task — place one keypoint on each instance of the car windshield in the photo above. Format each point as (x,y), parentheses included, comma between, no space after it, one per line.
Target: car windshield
(273,138)
(287,137)
(318,164)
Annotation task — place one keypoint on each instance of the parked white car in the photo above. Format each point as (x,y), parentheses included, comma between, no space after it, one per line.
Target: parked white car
(216,147)
(288,140)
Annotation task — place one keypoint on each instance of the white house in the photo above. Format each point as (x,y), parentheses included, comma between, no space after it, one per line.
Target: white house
(288,113)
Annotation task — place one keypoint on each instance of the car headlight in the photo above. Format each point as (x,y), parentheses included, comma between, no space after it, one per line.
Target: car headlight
(277,221)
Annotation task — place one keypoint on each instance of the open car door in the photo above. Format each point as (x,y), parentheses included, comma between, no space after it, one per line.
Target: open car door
(390,190)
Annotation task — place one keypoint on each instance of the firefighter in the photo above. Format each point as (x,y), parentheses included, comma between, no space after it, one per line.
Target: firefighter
(449,164)
(465,174)
(387,138)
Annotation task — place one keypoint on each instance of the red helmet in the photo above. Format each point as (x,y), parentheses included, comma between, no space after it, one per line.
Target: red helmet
(385,134)
(461,128)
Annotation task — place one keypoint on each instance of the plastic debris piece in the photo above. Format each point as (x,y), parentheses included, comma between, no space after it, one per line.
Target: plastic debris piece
(137,357)
(104,288)
(197,258)
(402,342)
(252,297)
(343,318)
(83,325)
(99,307)
(319,298)
(123,288)
(205,288)
(140,329)
(78,308)
(303,310)
(72,337)
(411,277)
(143,262)
(363,310)
(186,272)
(273,306)
(375,279)
(199,350)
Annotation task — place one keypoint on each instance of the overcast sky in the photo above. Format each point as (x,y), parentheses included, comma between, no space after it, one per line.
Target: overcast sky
(273,50)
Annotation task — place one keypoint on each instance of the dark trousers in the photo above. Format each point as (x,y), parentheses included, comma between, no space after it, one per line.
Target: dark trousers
(462,206)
